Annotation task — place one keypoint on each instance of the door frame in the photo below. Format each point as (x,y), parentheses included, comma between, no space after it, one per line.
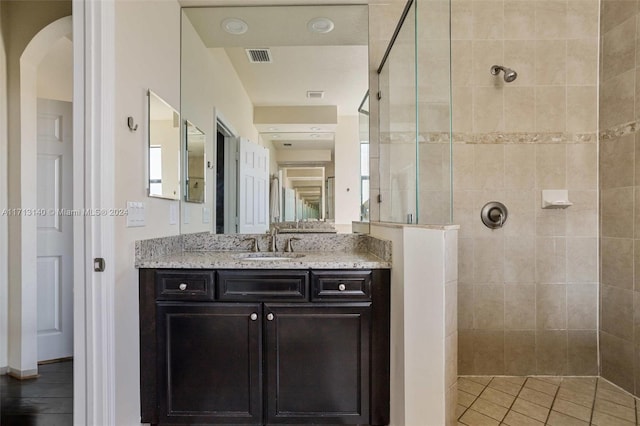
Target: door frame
(94,174)
(230,171)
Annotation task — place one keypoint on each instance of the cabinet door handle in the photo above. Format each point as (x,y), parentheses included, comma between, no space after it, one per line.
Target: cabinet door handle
(342,287)
(254,316)
(182,286)
(270,317)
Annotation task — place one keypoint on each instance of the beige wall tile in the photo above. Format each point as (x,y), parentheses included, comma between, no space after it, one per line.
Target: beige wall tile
(489,352)
(637,96)
(582,217)
(550,260)
(488,303)
(551,62)
(582,353)
(551,222)
(582,19)
(551,166)
(551,306)
(520,167)
(617,167)
(636,283)
(619,49)
(488,260)
(518,265)
(461,62)
(465,307)
(464,167)
(617,312)
(551,20)
(521,221)
(519,109)
(488,19)
(461,20)
(465,352)
(489,166)
(519,353)
(616,212)
(520,55)
(617,262)
(582,109)
(582,61)
(582,306)
(485,54)
(582,167)
(462,118)
(519,307)
(519,20)
(616,358)
(614,12)
(488,110)
(617,100)
(463,215)
(582,260)
(551,352)
(551,106)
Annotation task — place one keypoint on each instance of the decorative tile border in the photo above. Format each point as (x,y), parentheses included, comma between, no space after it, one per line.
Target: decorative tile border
(491,138)
(621,130)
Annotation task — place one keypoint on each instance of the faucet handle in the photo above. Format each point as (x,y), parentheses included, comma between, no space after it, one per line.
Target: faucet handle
(289,246)
(254,246)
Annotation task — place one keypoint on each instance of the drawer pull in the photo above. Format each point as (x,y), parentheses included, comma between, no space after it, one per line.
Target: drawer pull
(342,287)
(182,286)
(254,316)
(270,317)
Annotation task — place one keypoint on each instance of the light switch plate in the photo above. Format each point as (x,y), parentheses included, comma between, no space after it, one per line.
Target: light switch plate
(173,214)
(206,215)
(135,214)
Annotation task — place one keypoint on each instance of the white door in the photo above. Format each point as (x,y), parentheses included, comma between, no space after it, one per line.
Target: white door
(253,192)
(55,233)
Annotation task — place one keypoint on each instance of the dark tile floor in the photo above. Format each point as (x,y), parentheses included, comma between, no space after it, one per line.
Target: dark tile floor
(45,401)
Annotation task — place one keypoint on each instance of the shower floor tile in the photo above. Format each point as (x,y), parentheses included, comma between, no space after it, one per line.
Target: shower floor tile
(554,401)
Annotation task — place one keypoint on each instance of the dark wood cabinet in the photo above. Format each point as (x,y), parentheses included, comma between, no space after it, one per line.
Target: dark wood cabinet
(263,351)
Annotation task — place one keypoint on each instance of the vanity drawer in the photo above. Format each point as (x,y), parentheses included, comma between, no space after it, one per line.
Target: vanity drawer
(341,285)
(184,285)
(263,286)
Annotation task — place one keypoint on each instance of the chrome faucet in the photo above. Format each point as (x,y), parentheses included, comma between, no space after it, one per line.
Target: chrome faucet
(289,246)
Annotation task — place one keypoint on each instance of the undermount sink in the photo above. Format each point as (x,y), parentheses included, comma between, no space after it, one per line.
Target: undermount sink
(270,256)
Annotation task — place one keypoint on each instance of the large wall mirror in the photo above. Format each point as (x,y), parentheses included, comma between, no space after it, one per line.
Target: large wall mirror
(194,164)
(291,79)
(164,149)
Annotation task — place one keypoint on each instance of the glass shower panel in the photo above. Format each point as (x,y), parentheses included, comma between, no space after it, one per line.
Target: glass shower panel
(433,111)
(398,127)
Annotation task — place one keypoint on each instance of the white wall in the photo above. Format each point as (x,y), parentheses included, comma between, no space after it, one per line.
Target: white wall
(147,57)
(347,172)
(4,289)
(57,82)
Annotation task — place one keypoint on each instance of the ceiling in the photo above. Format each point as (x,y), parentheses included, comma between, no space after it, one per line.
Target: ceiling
(335,63)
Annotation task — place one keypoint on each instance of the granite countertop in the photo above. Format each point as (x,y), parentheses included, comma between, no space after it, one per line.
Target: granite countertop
(307,231)
(238,260)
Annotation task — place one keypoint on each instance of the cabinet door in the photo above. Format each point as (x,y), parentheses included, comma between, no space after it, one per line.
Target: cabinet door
(209,363)
(317,367)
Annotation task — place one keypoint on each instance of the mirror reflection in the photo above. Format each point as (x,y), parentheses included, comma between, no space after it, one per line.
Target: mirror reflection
(194,163)
(164,149)
(270,78)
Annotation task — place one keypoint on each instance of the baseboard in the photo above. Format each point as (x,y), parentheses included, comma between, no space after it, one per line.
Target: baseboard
(3,370)
(56,360)
(22,375)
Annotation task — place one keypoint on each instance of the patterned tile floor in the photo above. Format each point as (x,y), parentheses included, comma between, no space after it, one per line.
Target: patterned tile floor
(555,401)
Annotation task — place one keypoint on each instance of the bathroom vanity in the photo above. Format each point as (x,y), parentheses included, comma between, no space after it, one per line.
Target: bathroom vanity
(277,342)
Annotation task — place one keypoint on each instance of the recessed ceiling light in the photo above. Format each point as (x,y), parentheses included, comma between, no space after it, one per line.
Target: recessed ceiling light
(275,136)
(234,26)
(315,129)
(273,129)
(320,25)
(315,135)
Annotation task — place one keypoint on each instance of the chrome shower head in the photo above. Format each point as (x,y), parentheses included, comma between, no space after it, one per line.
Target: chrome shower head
(509,74)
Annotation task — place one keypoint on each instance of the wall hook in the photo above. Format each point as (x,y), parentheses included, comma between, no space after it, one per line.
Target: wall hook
(133,127)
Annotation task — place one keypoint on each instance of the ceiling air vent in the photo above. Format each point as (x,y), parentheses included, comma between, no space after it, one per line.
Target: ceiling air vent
(259,56)
(315,94)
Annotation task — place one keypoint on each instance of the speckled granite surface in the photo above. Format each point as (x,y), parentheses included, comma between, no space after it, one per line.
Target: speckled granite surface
(321,251)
